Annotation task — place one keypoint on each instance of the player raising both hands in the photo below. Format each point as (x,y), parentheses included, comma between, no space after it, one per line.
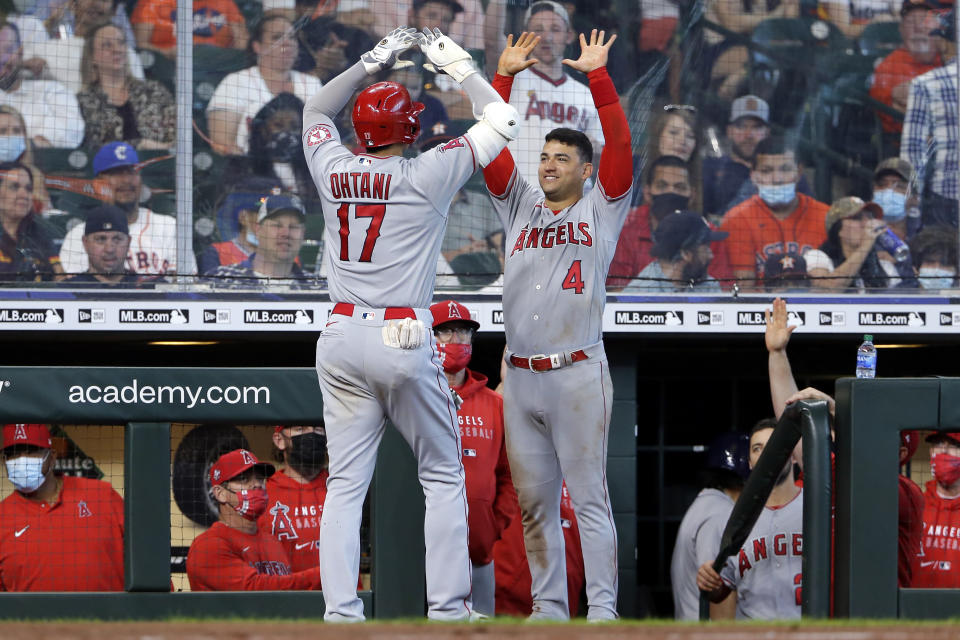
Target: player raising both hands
(384,219)
(558,393)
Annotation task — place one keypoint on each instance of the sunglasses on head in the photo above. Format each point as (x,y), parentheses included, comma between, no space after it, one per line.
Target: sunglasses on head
(689,108)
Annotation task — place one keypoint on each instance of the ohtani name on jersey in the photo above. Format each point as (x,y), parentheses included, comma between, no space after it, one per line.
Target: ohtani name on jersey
(555,236)
(783,545)
(558,112)
(359,184)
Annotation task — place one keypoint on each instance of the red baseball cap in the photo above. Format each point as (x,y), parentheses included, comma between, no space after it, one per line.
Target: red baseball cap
(910,440)
(36,434)
(235,462)
(936,436)
(451,311)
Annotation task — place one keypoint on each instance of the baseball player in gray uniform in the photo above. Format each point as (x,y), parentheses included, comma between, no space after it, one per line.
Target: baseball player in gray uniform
(558,393)
(698,539)
(767,571)
(376,358)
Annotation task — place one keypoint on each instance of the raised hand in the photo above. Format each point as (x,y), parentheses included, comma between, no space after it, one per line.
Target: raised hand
(778,331)
(593,55)
(385,55)
(445,55)
(513,58)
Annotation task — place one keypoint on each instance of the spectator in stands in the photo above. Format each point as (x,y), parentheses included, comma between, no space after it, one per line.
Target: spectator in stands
(66,532)
(280,231)
(749,124)
(852,16)
(462,20)
(785,272)
(63,54)
(153,246)
(681,248)
(274,151)
(215,22)
(934,252)
(240,95)
(327,46)
(237,222)
(106,239)
(64,18)
(544,93)
(235,554)
(16,145)
(49,109)
(117,106)
(698,539)
(848,258)
(930,134)
(296,493)
(491,498)
(778,219)
(939,555)
(917,55)
(27,253)
(674,133)
(893,189)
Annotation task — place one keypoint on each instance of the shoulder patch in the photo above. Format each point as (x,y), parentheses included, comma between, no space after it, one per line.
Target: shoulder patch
(318,134)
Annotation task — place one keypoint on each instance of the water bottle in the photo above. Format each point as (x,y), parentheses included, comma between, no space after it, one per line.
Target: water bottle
(867,358)
(893,245)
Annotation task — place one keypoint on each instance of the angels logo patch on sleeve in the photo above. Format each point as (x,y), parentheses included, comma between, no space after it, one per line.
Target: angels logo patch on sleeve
(318,134)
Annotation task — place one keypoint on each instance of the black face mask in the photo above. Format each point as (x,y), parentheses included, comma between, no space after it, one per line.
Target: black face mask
(308,453)
(695,271)
(666,203)
(282,146)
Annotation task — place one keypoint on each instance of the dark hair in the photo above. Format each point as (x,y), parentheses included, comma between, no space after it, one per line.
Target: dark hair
(664,161)
(935,243)
(871,272)
(720,479)
(573,138)
(774,145)
(763,423)
(260,158)
(256,35)
(14,28)
(6,167)
(651,149)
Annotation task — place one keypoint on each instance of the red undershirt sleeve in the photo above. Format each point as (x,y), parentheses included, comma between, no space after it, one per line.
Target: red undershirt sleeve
(615,174)
(497,173)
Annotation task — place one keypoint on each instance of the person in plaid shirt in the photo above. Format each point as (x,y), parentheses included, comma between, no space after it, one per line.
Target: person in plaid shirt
(930,129)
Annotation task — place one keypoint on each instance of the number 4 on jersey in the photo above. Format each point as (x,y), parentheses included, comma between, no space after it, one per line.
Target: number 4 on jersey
(373,211)
(573,279)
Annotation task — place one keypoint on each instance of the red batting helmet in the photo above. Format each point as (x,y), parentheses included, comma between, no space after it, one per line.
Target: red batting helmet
(384,114)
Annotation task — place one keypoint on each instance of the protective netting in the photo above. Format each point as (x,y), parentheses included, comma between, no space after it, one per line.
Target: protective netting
(755,116)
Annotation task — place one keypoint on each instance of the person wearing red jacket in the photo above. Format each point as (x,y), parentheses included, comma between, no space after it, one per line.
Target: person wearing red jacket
(235,554)
(296,492)
(64,533)
(491,498)
(939,564)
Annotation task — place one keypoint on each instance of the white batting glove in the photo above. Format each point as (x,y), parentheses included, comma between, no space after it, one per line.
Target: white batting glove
(391,334)
(385,55)
(446,55)
(411,333)
(457,400)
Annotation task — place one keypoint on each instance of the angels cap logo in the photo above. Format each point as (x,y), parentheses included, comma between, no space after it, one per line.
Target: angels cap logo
(454,311)
(247,457)
(20,433)
(216,474)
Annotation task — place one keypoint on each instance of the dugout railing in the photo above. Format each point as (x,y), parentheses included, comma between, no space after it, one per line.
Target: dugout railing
(870,416)
(60,395)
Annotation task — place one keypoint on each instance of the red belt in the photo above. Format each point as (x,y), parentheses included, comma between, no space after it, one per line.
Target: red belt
(541,362)
(390,313)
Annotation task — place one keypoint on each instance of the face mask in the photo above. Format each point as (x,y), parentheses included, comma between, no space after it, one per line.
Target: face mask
(308,453)
(694,271)
(946,468)
(936,278)
(11,148)
(454,356)
(777,194)
(282,146)
(26,473)
(253,502)
(893,204)
(252,238)
(666,203)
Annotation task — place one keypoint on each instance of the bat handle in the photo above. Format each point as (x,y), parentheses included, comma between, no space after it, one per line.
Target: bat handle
(704,607)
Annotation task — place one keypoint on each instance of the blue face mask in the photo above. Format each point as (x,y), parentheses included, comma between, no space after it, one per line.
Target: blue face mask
(894,204)
(777,194)
(936,278)
(11,148)
(26,472)
(252,238)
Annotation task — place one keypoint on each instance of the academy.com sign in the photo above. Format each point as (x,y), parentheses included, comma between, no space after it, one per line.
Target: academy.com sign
(185,395)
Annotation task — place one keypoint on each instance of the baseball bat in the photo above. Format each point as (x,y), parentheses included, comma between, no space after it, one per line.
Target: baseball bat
(750,504)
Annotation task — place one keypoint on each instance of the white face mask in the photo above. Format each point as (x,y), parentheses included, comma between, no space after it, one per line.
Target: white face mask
(936,278)
(26,472)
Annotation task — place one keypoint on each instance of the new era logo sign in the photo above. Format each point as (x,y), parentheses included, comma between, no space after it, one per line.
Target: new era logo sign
(216,316)
(91,316)
(710,318)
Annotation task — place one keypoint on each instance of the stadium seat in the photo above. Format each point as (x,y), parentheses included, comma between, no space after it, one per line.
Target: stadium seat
(210,65)
(159,67)
(64,162)
(313,240)
(476,269)
(879,39)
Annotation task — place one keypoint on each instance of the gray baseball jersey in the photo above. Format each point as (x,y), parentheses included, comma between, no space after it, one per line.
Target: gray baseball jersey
(556,265)
(384,217)
(698,541)
(767,571)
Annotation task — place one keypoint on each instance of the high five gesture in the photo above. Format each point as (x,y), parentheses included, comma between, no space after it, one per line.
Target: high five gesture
(593,55)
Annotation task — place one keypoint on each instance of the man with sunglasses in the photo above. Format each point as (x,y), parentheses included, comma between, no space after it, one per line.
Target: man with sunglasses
(490,495)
